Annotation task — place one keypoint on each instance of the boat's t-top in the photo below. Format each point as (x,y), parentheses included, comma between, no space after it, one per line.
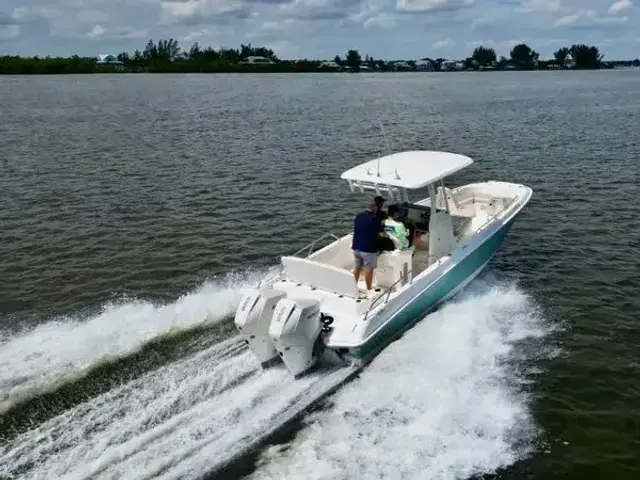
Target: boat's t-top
(400,172)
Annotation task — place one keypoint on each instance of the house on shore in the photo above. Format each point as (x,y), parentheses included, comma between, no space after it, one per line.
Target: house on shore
(451,66)
(400,66)
(108,60)
(257,60)
(569,61)
(329,66)
(425,65)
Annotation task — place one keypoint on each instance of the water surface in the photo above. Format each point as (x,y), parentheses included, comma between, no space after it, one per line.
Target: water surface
(135,205)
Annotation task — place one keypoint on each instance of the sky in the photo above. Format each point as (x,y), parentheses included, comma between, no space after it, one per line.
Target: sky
(321,29)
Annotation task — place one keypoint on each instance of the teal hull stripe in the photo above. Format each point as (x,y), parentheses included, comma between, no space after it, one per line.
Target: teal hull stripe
(421,304)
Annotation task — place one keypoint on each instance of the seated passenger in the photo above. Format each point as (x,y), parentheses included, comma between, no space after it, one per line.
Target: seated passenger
(396,229)
(416,239)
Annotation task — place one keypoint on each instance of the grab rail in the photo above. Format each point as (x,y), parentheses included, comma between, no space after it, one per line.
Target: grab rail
(387,292)
(491,218)
(505,207)
(312,244)
(271,279)
(307,247)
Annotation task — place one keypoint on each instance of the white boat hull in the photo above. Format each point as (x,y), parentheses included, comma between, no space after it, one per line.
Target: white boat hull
(427,293)
(361,327)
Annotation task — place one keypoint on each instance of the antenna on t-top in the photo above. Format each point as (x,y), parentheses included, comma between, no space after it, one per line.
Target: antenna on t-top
(386,143)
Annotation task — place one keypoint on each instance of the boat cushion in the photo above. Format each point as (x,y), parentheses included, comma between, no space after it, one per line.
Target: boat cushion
(320,275)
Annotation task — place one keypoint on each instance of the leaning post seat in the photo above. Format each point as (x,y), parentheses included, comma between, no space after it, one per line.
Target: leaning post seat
(393,266)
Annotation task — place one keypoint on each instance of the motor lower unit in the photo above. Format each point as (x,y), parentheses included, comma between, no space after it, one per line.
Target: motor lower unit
(294,330)
(253,318)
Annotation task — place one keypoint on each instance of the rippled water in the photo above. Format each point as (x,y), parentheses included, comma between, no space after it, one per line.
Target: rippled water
(132,206)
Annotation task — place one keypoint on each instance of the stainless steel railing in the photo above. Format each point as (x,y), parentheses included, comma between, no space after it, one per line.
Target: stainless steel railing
(386,294)
(313,244)
(308,248)
(491,218)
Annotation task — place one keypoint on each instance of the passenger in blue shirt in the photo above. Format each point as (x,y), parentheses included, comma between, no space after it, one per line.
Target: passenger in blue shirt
(367,229)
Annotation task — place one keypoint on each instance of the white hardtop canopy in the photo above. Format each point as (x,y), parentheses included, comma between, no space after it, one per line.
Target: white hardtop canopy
(405,170)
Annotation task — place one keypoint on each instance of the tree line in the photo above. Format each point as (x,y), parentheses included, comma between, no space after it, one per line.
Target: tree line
(166,56)
(523,57)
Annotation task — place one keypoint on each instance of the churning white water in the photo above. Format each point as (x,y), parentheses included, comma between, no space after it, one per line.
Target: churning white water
(213,401)
(60,351)
(441,402)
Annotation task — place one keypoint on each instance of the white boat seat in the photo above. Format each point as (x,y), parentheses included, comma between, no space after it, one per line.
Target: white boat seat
(320,275)
(338,254)
(393,266)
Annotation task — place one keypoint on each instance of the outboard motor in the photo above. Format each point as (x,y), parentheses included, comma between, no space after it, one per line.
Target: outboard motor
(253,318)
(295,329)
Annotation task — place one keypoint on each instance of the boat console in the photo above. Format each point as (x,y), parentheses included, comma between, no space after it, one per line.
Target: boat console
(418,214)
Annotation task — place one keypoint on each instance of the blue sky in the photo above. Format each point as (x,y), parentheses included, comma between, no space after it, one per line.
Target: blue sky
(390,29)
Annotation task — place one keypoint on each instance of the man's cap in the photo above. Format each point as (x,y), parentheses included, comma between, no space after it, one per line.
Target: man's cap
(378,200)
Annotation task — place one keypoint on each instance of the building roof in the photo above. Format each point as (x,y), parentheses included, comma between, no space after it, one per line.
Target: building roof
(108,58)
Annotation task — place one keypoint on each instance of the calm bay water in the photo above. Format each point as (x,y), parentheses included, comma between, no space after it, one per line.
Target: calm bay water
(144,188)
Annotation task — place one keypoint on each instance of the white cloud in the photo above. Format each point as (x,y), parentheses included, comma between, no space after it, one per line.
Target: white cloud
(319,28)
(318,9)
(271,26)
(97,31)
(619,6)
(368,9)
(198,11)
(575,17)
(415,6)
(481,22)
(444,44)
(541,5)
(382,20)
(9,32)
(586,18)
(272,31)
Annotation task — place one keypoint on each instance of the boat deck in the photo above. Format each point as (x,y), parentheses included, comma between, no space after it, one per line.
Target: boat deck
(326,274)
(347,312)
(332,303)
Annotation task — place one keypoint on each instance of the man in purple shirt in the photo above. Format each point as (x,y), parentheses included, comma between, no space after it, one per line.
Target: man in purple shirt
(367,229)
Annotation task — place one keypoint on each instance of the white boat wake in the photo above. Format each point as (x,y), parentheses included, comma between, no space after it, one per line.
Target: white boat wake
(443,402)
(440,402)
(214,401)
(42,359)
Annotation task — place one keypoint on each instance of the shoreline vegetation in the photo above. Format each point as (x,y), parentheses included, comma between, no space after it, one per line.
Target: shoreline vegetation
(166,56)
